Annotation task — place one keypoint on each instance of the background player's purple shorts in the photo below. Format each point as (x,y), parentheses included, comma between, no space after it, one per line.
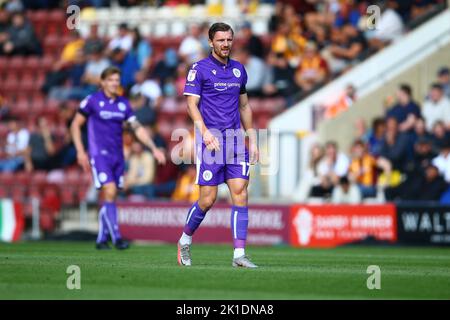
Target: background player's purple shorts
(106,170)
(214,168)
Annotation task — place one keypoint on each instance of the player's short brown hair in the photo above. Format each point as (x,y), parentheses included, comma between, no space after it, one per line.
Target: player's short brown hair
(109,72)
(219,26)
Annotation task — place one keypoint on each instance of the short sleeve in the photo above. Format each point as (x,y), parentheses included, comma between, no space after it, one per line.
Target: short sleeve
(86,107)
(194,80)
(244,81)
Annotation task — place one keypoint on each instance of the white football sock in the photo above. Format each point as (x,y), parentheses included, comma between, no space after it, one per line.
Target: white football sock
(185,239)
(238,252)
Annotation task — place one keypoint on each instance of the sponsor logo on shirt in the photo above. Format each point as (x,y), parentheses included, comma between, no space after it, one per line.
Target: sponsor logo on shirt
(222,86)
(111,114)
(237,72)
(191,75)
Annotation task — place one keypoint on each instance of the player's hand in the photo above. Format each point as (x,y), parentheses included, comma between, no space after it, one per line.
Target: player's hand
(83,161)
(253,153)
(211,142)
(159,156)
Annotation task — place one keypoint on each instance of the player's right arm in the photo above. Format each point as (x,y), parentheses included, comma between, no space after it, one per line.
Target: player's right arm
(75,130)
(211,142)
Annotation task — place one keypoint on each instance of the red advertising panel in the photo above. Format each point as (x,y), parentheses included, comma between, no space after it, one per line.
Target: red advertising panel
(332,225)
(164,221)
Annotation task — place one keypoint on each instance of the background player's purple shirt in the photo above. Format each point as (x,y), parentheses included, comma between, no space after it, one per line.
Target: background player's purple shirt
(105,123)
(219,87)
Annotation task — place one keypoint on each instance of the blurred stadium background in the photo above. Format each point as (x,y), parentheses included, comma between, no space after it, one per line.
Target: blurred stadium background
(358,117)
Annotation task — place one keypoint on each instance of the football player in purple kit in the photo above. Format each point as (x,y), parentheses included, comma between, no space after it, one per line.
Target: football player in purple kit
(217,103)
(105,112)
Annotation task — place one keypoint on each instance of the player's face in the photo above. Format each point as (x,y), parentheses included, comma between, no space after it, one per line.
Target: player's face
(111,84)
(221,43)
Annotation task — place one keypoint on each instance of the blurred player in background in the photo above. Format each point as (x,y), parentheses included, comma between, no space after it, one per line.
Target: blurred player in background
(105,112)
(217,103)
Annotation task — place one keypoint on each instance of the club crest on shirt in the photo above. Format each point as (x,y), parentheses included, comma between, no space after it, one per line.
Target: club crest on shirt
(191,75)
(122,106)
(214,72)
(207,175)
(237,72)
(101,104)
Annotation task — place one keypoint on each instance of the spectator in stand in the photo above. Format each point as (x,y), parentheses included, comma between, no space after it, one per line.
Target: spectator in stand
(256,68)
(122,42)
(288,44)
(4,25)
(186,189)
(141,172)
(348,13)
(41,148)
(71,50)
(444,80)
(363,169)
(347,51)
(166,67)
(143,110)
(440,135)
(442,161)
(405,111)
(276,18)
(22,39)
(311,176)
(191,49)
(436,107)
(136,59)
(361,131)
(429,186)
(252,42)
(423,155)
(333,166)
(149,88)
(96,63)
(395,145)
(16,146)
(346,192)
(281,79)
(376,137)
(389,27)
(93,41)
(312,70)
(420,131)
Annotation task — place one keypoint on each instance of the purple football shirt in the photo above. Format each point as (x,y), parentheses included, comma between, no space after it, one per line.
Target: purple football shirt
(105,123)
(218,86)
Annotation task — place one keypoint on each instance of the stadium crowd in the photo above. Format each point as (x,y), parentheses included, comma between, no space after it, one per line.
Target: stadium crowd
(403,156)
(310,43)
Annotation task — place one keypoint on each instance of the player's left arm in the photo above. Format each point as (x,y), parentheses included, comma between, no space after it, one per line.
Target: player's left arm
(247,121)
(143,136)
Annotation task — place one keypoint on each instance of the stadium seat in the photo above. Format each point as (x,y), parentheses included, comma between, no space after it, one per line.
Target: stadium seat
(32,63)
(39,179)
(20,109)
(6,178)
(22,178)
(15,63)
(18,193)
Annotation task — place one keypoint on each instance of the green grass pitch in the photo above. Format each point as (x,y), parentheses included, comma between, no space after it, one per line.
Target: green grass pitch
(37,270)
